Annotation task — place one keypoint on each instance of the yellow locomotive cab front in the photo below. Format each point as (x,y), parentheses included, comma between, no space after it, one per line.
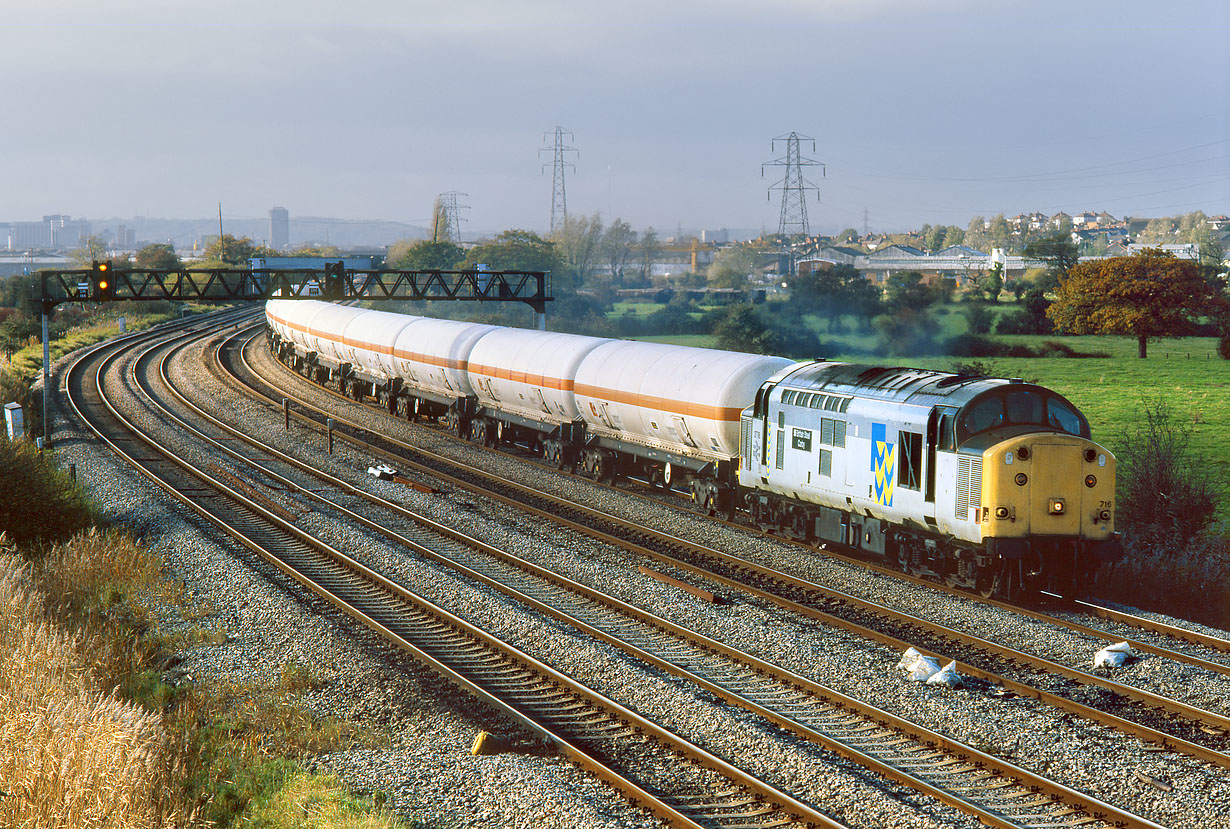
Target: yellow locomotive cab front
(1050,485)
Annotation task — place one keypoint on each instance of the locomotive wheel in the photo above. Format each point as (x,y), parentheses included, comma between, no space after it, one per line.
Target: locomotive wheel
(988,582)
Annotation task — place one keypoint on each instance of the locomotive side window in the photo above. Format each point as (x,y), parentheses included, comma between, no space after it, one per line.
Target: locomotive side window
(909,466)
(948,436)
(826,463)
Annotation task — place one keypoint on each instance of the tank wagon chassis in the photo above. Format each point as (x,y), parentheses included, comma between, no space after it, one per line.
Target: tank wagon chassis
(979,552)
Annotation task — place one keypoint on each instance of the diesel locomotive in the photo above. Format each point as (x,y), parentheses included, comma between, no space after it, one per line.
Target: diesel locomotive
(993,485)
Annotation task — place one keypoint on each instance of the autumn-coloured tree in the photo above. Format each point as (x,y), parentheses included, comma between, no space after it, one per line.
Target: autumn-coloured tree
(1149,295)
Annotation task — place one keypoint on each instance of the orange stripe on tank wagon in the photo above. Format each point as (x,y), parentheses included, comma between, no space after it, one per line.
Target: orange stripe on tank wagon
(729,414)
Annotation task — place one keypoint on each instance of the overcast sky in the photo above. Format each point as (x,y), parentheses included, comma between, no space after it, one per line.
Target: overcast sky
(921,112)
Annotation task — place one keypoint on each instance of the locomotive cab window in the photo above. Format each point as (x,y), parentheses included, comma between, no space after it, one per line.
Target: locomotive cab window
(1017,406)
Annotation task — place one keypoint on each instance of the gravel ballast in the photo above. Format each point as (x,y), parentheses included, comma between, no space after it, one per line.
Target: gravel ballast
(427,773)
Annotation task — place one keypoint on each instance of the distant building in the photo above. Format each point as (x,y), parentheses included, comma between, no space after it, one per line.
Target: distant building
(715,237)
(958,262)
(52,233)
(125,238)
(279,228)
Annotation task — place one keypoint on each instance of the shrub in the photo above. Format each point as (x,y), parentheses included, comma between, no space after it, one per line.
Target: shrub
(38,502)
(1163,499)
(1191,581)
(979,318)
(971,345)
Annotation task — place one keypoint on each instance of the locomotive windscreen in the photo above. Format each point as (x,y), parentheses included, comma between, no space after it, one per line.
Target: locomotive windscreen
(1017,406)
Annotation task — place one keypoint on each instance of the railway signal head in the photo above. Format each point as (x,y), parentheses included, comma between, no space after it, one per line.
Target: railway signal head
(103,281)
(332,289)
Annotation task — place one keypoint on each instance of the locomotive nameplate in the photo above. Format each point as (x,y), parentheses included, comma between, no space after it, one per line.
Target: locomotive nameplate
(800,439)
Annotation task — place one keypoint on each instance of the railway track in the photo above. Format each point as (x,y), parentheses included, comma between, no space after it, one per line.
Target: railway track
(995,791)
(654,768)
(1175,725)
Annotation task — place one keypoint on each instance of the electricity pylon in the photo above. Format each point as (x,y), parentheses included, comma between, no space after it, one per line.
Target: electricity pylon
(559,195)
(793,186)
(446,218)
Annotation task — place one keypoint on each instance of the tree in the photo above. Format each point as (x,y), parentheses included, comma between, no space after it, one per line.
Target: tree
(830,293)
(515,250)
(231,251)
(743,329)
(848,236)
(425,255)
(318,251)
(731,267)
(648,252)
(577,242)
(1059,253)
(618,247)
(159,255)
(1149,295)
(907,290)
(93,250)
(954,236)
(1031,319)
(992,282)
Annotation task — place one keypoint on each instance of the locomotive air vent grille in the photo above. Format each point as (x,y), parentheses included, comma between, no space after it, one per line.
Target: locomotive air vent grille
(745,449)
(969,485)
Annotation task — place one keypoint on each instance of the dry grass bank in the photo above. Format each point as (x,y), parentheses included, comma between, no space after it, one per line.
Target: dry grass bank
(91,735)
(71,755)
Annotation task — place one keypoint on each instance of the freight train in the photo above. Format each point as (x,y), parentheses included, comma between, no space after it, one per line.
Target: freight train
(992,485)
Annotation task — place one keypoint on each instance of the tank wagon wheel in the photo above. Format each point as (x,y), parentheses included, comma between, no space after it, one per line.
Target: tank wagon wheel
(415,407)
(401,408)
(499,433)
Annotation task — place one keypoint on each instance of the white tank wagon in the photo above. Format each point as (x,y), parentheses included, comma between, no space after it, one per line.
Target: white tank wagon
(675,407)
(431,359)
(524,379)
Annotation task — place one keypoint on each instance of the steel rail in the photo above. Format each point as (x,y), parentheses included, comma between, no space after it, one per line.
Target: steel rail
(678,814)
(1077,801)
(1023,689)
(834,550)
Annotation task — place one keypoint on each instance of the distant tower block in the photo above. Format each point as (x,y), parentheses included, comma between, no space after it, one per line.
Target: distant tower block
(793,186)
(446,217)
(559,195)
(279,228)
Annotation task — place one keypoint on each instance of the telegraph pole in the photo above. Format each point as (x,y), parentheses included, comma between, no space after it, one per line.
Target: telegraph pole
(793,186)
(559,196)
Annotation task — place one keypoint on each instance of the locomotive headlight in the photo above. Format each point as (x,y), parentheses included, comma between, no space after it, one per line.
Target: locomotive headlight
(1104,515)
(1055,506)
(1091,481)
(1090,455)
(1023,453)
(1021,479)
(1001,512)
